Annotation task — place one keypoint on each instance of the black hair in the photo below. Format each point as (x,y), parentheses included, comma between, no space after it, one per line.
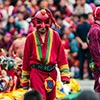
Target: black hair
(32,95)
(58,17)
(39,2)
(85,16)
(62,31)
(75,15)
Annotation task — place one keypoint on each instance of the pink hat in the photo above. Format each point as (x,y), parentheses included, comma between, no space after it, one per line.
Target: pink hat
(7,34)
(22,31)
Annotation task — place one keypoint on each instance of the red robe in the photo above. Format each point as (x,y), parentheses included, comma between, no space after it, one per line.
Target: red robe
(54,55)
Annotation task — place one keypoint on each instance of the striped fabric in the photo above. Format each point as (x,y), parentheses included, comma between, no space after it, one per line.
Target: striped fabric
(38,48)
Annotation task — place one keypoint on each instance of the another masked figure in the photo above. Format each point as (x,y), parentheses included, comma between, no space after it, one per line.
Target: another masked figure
(94,46)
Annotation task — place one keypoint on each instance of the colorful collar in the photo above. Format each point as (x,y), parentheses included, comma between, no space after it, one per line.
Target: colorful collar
(39,49)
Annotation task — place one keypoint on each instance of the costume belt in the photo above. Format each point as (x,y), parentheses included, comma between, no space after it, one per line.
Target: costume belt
(44,67)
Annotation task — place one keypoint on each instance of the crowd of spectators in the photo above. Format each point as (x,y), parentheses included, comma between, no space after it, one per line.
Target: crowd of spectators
(73,16)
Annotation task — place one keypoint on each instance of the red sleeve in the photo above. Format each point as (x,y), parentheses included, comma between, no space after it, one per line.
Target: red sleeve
(67,45)
(27,52)
(94,43)
(26,67)
(62,62)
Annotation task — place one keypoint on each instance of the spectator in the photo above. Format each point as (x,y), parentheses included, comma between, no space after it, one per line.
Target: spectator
(90,19)
(65,42)
(9,8)
(59,20)
(18,4)
(73,44)
(75,19)
(43,4)
(23,23)
(6,41)
(51,5)
(17,47)
(81,35)
(1,29)
(77,3)
(73,56)
(3,13)
(12,26)
(13,2)
(64,9)
(82,8)
(32,95)
(56,13)
(25,11)
(34,6)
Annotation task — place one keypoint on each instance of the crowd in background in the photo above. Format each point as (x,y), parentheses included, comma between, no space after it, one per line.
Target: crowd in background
(73,16)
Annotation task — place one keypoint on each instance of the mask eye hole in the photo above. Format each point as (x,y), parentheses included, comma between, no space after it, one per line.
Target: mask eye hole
(47,21)
(38,20)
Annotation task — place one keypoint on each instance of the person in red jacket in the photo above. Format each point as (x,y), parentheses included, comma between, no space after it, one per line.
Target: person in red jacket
(94,46)
(42,52)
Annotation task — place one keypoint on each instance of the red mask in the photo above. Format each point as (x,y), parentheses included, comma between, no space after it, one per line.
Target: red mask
(41,21)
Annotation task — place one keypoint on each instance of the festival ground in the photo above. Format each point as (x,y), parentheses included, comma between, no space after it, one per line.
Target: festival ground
(86,84)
